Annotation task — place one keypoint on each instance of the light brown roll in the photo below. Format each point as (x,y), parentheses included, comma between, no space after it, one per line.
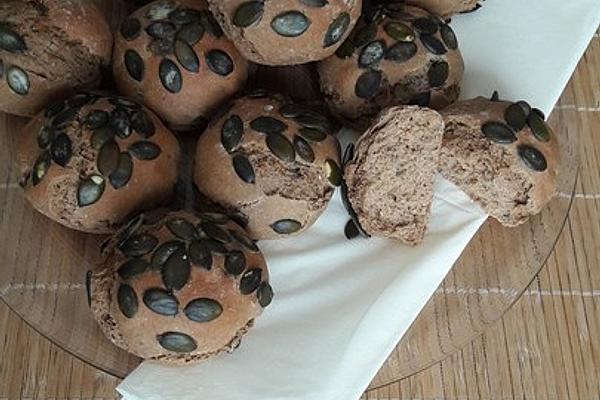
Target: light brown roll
(446,8)
(181,288)
(286,32)
(400,55)
(90,162)
(271,160)
(501,154)
(49,49)
(173,56)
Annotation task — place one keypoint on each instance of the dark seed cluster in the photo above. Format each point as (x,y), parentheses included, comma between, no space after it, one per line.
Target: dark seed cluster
(190,245)
(292,23)
(315,128)
(404,30)
(516,117)
(173,32)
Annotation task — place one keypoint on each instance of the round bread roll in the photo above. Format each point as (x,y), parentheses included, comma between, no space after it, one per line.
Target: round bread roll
(501,154)
(446,8)
(180,289)
(49,49)
(286,32)
(398,55)
(271,160)
(172,56)
(90,162)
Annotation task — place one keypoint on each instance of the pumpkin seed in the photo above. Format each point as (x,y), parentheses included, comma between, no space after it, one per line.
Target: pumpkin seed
(162,47)
(215,218)
(131,28)
(243,168)
(132,267)
(127,300)
(350,230)
(333,172)
(138,245)
(525,106)
(515,116)
(10,40)
(449,37)
(41,167)
(243,240)
(17,80)
(425,25)
(421,99)
(144,150)
(248,13)
(264,294)
(290,24)
(88,287)
(200,254)
(64,117)
(539,113)
(231,132)
(257,93)
(250,280)
(538,127)
(268,125)
(348,154)
(54,109)
(286,226)
(345,50)
(214,246)
(303,149)
(235,262)
(367,84)
(215,232)
(170,76)
(399,31)
(401,52)
(211,25)
(219,62)
(108,158)
(61,149)
(371,54)
(532,157)
(203,310)
(177,342)
(495,96)
(433,45)
(132,226)
(184,16)
(186,56)
(191,33)
(364,35)
(176,270)
(160,10)
(498,132)
(182,228)
(97,119)
(161,302)
(120,176)
(337,29)
(90,190)
(164,251)
(101,136)
(1,68)
(142,124)
(161,30)
(239,218)
(314,3)
(134,65)
(314,122)
(438,74)
(281,147)
(45,136)
(79,100)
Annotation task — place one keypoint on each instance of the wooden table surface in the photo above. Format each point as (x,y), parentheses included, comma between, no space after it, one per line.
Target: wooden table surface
(546,347)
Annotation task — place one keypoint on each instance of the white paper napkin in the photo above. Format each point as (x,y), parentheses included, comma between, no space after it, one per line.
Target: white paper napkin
(341,306)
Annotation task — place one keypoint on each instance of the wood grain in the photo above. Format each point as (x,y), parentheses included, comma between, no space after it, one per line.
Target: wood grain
(546,347)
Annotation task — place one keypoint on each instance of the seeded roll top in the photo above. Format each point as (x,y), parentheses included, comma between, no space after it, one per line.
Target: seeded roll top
(89,162)
(396,55)
(501,154)
(32,72)
(286,32)
(173,56)
(181,288)
(272,160)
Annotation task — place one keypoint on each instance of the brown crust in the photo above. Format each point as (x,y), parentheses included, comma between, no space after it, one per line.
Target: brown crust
(445,8)
(201,92)
(138,334)
(491,173)
(260,44)
(281,191)
(55,196)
